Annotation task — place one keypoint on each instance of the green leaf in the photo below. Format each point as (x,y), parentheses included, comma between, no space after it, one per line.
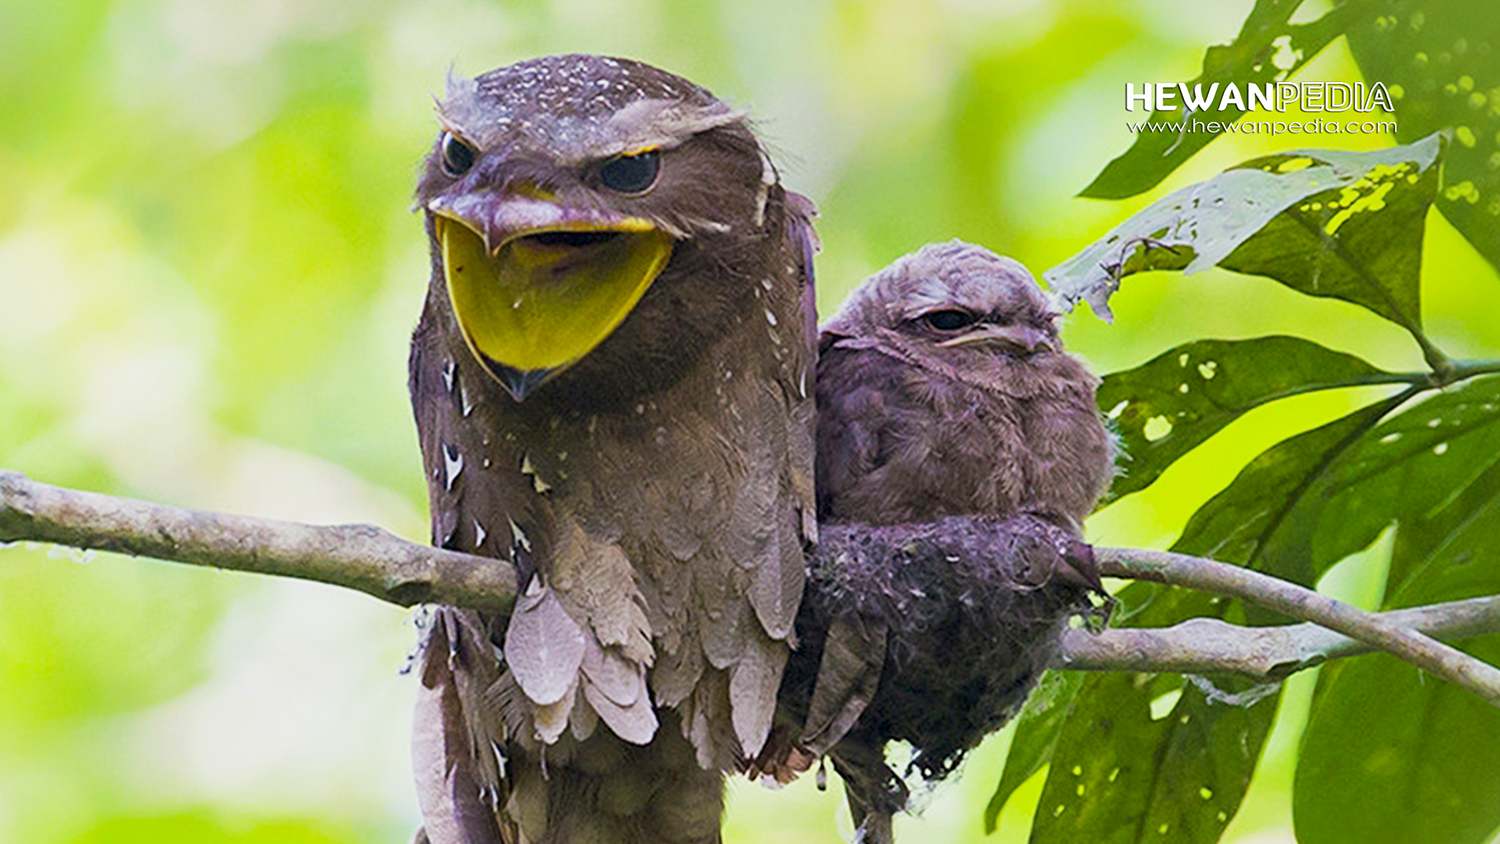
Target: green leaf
(1336,245)
(1450,553)
(1314,504)
(1418,463)
(1052,704)
(1390,755)
(1441,61)
(1269,509)
(1304,218)
(1138,774)
(1166,407)
(1251,58)
(1308,502)
(1120,776)
(1324,495)
(1037,728)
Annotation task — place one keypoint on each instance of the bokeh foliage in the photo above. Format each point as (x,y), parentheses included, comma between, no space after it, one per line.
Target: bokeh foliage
(208,270)
(1382,758)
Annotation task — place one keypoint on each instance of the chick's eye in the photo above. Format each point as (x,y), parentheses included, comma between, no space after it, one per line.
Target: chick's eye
(458,156)
(948,320)
(631,173)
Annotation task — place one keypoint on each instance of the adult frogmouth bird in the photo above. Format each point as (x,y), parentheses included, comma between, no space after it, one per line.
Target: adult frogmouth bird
(943,390)
(612,386)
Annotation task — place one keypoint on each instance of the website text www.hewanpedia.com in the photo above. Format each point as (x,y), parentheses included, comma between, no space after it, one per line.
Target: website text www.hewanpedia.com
(1274,96)
(1316,126)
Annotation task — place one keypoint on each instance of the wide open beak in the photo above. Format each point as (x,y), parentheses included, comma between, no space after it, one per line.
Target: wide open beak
(1013,339)
(536,286)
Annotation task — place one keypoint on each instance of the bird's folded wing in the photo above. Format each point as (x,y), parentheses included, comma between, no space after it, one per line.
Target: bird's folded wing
(848,676)
(454,810)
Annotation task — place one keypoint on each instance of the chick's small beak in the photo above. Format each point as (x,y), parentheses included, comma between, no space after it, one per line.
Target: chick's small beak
(1016,339)
(536,285)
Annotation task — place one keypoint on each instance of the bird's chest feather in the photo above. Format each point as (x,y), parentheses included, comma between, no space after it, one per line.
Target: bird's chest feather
(1030,441)
(684,483)
(961,448)
(666,530)
(940,442)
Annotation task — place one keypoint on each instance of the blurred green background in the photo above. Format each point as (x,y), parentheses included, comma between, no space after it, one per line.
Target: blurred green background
(208,274)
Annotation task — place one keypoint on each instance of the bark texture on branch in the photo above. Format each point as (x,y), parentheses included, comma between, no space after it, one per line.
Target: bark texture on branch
(1302,603)
(392,569)
(361,557)
(1211,646)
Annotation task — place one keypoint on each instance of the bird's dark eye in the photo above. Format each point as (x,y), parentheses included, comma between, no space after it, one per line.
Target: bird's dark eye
(948,320)
(631,173)
(458,156)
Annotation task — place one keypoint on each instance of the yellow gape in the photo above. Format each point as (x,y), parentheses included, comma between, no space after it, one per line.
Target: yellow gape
(547,297)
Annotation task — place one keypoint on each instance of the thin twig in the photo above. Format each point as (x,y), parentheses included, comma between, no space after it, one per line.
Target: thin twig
(1470,368)
(355,556)
(1299,602)
(1211,646)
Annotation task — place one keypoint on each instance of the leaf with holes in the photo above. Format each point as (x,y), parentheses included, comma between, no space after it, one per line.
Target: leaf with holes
(1167,762)
(1360,242)
(1448,549)
(1307,219)
(1187,770)
(1166,407)
(1037,727)
(1354,479)
(1441,60)
(1268,49)
(1389,755)
(1050,706)
(1407,468)
(1119,775)
(1269,518)
(1269,512)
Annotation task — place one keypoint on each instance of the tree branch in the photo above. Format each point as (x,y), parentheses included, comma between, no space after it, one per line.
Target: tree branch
(1296,601)
(355,556)
(1211,646)
(1470,368)
(397,571)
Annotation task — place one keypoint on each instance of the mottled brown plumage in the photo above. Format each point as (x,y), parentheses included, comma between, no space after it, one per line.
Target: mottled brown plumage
(943,391)
(655,493)
(930,633)
(989,417)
